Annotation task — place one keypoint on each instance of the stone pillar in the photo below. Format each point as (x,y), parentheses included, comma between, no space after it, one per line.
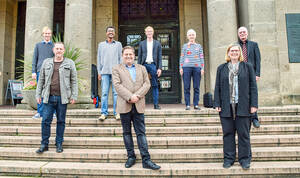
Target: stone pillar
(222,31)
(260,19)
(8,22)
(78,32)
(38,15)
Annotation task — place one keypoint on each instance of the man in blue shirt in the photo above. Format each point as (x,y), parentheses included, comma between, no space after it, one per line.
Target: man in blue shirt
(42,51)
(132,84)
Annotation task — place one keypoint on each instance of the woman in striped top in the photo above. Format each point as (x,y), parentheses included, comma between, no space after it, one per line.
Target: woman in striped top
(191,66)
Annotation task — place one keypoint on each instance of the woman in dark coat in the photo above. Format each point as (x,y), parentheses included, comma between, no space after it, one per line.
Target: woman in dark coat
(235,100)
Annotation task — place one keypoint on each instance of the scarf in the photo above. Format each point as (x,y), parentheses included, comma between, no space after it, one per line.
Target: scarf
(233,83)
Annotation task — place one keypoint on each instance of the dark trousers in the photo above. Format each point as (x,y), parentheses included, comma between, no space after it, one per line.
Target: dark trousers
(139,127)
(151,69)
(54,104)
(254,116)
(241,125)
(188,74)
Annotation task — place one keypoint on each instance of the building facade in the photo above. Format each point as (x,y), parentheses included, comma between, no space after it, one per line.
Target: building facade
(83,23)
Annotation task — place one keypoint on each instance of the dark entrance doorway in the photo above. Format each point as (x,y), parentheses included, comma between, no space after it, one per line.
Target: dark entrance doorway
(162,15)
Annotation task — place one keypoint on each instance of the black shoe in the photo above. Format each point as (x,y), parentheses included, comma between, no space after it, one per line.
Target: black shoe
(150,165)
(245,165)
(188,108)
(197,107)
(256,123)
(227,165)
(42,149)
(59,148)
(156,106)
(130,162)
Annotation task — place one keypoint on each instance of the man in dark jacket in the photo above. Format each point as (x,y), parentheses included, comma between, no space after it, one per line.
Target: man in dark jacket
(150,55)
(251,55)
(42,51)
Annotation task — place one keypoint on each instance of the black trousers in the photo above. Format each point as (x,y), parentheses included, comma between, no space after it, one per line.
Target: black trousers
(138,121)
(241,125)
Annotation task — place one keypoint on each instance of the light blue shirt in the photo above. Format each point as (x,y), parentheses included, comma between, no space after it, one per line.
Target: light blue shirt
(132,71)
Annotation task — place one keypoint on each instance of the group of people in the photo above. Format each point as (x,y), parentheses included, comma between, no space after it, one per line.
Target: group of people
(235,96)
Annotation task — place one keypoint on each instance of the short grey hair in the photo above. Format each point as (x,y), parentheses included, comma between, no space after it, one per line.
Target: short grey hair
(191,31)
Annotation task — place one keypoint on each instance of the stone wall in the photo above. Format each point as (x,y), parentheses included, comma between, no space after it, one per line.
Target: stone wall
(259,17)
(289,72)
(190,17)
(8,22)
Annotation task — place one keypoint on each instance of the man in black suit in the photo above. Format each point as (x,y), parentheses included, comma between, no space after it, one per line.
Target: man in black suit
(251,55)
(150,55)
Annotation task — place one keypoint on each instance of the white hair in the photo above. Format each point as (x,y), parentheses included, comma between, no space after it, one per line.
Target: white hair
(190,31)
(244,28)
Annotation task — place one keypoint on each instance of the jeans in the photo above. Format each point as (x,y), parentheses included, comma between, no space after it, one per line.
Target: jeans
(139,127)
(54,104)
(151,69)
(106,81)
(188,73)
(39,106)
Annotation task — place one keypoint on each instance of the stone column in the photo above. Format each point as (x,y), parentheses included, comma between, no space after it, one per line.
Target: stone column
(222,31)
(78,32)
(261,25)
(8,22)
(38,15)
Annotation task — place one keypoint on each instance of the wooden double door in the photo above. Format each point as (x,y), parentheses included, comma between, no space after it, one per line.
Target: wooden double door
(167,35)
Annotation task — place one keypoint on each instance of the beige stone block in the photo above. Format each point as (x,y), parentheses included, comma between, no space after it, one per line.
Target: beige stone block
(292,6)
(21,167)
(101,169)
(193,10)
(3,4)
(101,3)
(261,11)
(104,13)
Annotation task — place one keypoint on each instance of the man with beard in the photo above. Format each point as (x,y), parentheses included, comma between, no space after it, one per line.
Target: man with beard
(109,55)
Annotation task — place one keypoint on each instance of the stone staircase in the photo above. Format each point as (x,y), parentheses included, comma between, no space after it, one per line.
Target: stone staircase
(183,143)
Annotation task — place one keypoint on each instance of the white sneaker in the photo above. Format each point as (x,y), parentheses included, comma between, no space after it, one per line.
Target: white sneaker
(102,117)
(54,116)
(117,116)
(36,116)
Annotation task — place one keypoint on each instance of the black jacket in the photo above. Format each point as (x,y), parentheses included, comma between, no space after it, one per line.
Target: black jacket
(156,53)
(247,90)
(253,55)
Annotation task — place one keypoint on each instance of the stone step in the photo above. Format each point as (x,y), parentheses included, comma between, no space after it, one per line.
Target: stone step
(75,169)
(153,142)
(177,111)
(151,131)
(157,155)
(170,121)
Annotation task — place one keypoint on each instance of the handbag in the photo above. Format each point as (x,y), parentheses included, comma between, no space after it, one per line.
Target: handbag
(208,100)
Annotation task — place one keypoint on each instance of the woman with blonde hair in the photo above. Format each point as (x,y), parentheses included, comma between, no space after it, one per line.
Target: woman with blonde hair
(235,99)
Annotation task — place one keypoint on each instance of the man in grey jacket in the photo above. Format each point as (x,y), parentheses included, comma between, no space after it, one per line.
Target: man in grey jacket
(57,86)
